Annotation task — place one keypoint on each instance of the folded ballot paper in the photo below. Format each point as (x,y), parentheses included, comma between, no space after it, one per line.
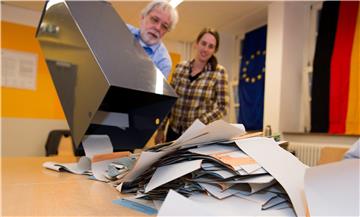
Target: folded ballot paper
(333,189)
(217,163)
(99,161)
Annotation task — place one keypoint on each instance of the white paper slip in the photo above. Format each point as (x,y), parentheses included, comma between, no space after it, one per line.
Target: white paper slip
(260,197)
(191,132)
(170,172)
(114,119)
(145,160)
(215,131)
(282,165)
(223,173)
(217,192)
(266,178)
(83,167)
(177,205)
(235,206)
(255,187)
(238,160)
(96,144)
(275,203)
(230,206)
(214,149)
(240,126)
(203,205)
(158,204)
(251,168)
(259,171)
(333,189)
(100,163)
(249,188)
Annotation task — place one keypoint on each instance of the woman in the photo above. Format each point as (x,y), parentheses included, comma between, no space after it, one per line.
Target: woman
(202,87)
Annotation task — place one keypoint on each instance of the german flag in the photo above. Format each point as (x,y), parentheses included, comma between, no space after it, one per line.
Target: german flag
(335,106)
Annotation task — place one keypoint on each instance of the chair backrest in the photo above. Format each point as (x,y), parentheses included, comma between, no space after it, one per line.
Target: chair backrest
(53,141)
(332,154)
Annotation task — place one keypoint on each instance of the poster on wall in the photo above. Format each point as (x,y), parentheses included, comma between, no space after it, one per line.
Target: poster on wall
(18,69)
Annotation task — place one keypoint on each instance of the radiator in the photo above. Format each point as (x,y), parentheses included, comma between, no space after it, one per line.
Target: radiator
(309,154)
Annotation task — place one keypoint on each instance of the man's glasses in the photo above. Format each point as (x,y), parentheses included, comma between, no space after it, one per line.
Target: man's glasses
(155,20)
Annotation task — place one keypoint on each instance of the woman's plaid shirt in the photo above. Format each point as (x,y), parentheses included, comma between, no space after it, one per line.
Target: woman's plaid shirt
(206,97)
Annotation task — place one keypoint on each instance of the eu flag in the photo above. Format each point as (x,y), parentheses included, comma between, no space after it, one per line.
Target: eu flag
(252,79)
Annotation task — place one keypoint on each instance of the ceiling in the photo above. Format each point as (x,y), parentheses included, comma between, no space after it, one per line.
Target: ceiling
(226,16)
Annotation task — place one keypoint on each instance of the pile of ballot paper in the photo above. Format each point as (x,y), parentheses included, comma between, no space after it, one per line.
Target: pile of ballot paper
(219,170)
(216,164)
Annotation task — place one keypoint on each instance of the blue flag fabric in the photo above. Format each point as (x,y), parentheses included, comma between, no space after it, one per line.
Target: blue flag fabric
(252,80)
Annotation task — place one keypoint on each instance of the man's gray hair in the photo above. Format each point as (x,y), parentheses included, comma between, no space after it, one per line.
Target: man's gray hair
(164,5)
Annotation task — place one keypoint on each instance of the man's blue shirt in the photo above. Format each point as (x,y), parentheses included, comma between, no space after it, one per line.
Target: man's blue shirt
(158,52)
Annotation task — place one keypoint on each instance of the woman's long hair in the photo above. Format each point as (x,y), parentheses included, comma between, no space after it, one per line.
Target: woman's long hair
(213,61)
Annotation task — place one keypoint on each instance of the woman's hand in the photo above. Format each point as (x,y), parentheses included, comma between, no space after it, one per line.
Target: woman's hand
(160,137)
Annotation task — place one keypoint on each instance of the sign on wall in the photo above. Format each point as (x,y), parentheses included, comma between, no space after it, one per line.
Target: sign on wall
(18,69)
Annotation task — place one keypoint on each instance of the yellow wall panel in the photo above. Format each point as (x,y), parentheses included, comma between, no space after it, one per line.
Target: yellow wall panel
(21,103)
(175,58)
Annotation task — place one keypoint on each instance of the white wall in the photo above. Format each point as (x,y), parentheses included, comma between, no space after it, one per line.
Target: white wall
(19,15)
(296,30)
(27,137)
(226,56)
(273,65)
(182,48)
(288,29)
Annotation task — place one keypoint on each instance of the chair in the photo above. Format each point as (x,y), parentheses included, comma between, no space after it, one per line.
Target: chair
(53,141)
